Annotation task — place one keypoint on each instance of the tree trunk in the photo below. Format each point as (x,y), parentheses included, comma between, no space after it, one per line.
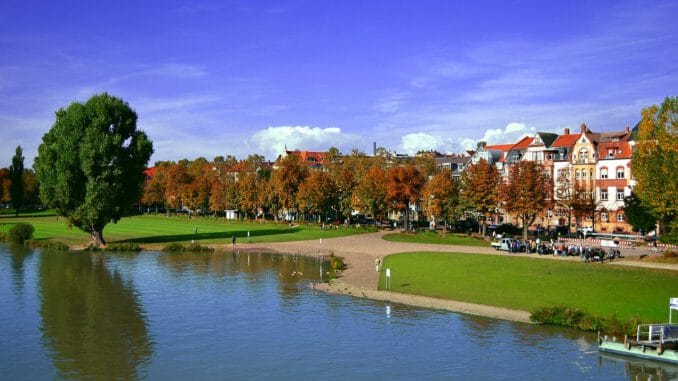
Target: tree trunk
(525,228)
(97,238)
(406,219)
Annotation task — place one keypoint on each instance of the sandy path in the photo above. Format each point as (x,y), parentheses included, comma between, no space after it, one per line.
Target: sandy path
(360,278)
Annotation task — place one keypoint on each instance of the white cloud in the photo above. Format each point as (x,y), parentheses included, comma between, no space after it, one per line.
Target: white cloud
(510,134)
(391,103)
(273,140)
(420,141)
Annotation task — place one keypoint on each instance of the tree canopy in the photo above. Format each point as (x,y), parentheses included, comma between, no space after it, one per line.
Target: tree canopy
(91,163)
(16,171)
(480,189)
(655,162)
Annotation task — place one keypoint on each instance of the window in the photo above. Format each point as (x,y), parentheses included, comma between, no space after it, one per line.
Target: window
(603,173)
(576,174)
(583,155)
(620,194)
(588,218)
(591,174)
(620,172)
(603,194)
(603,216)
(620,217)
(583,174)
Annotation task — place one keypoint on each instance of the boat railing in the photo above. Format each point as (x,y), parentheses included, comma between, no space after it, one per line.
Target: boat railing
(657,333)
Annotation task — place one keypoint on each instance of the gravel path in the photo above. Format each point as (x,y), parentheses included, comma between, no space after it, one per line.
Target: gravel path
(360,278)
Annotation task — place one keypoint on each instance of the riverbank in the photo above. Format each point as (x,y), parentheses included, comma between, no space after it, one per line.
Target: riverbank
(360,278)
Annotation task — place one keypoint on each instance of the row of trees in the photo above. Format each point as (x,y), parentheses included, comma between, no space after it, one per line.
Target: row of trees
(370,185)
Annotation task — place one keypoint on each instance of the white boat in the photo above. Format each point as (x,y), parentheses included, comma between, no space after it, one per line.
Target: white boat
(653,341)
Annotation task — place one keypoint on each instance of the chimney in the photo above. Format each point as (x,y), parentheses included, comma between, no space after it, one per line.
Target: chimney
(583,128)
(627,129)
(374,148)
(567,131)
(481,144)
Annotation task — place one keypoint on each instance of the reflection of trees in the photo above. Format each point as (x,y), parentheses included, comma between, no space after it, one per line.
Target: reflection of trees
(19,255)
(91,319)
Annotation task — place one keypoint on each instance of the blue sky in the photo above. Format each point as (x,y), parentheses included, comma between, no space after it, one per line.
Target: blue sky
(240,77)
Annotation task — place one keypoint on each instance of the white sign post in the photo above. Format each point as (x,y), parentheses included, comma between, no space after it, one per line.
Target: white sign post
(388,279)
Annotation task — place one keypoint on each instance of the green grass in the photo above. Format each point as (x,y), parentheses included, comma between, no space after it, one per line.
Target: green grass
(158,230)
(436,238)
(528,284)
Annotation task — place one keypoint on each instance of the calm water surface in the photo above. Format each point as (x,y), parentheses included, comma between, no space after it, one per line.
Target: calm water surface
(239,316)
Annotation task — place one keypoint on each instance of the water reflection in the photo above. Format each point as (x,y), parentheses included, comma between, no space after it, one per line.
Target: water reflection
(19,254)
(91,319)
(638,369)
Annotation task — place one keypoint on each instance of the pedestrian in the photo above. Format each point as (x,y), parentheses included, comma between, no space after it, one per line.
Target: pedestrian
(195,231)
(377,263)
(233,241)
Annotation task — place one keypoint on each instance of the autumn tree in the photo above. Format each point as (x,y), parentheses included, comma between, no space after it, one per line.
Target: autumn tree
(441,197)
(403,188)
(566,200)
(16,172)
(369,196)
(526,192)
(286,181)
(5,182)
(91,163)
(317,194)
(154,188)
(584,203)
(480,189)
(31,188)
(655,164)
(248,193)
(175,179)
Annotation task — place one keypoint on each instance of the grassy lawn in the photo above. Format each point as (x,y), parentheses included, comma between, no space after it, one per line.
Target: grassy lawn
(158,230)
(528,284)
(436,238)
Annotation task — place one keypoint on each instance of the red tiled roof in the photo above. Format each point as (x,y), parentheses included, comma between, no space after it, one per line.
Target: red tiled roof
(150,172)
(499,147)
(523,143)
(309,158)
(566,140)
(620,150)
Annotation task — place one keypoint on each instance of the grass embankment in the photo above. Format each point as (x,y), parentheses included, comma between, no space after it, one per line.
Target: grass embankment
(156,231)
(436,238)
(530,284)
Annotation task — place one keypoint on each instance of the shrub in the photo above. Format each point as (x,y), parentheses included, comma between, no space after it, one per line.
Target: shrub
(670,254)
(49,244)
(128,246)
(21,232)
(192,248)
(572,317)
(173,247)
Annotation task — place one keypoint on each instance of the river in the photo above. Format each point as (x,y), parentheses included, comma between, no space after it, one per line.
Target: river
(216,316)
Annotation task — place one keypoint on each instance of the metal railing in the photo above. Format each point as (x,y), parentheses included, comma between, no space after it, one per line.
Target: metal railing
(657,333)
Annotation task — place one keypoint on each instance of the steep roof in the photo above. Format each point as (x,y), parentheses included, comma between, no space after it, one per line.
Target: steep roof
(565,140)
(523,143)
(150,172)
(614,150)
(499,147)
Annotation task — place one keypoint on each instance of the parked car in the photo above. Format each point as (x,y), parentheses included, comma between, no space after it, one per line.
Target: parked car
(507,243)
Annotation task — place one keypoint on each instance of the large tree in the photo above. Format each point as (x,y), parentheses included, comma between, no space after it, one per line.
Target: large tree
(441,197)
(526,192)
(286,181)
(480,189)
(655,162)
(16,172)
(637,215)
(565,198)
(403,188)
(91,163)
(318,194)
(369,196)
